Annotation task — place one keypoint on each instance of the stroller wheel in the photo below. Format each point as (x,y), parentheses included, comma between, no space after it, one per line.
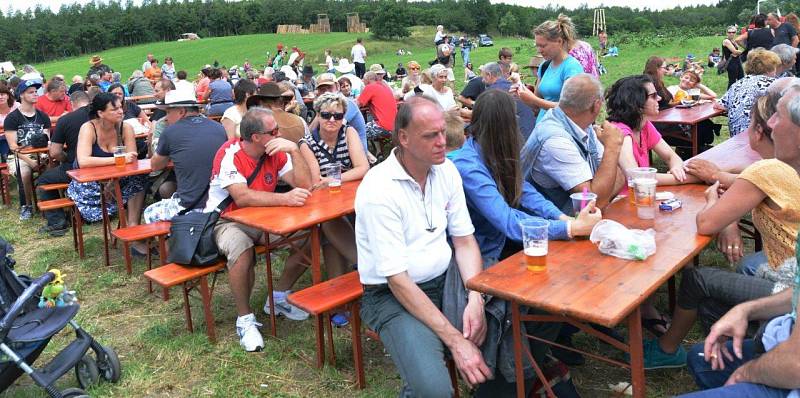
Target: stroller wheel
(87,372)
(109,365)
(74,393)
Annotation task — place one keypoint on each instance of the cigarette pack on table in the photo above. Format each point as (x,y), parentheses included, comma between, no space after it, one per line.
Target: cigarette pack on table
(670,205)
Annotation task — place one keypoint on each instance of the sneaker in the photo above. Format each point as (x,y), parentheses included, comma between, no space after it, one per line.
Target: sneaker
(283,307)
(53,230)
(656,358)
(249,336)
(25,212)
(341,319)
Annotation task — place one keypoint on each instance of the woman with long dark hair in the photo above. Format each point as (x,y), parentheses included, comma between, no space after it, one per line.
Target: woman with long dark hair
(498,198)
(656,68)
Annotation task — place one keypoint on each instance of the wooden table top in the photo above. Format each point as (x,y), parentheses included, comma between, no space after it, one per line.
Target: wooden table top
(321,206)
(32,151)
(692,115)
(583,283)
(92,174)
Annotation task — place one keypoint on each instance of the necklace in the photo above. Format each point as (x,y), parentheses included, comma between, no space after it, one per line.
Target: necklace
(428,187)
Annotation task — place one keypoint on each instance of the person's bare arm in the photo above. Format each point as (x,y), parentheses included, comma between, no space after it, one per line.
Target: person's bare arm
(605,182)
(56,151)
(158,162)
(230,127)
(777,368)
(357,157)
(795,41)
(705,92)
(468,102)
(312,162)
(742,197)
(300,175)
(243,196)
(727,43)
(741,38)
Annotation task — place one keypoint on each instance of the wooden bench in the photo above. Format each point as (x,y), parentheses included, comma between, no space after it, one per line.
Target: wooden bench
(77,220)
(319,300)
(53,187)
(159,230)
(190,278)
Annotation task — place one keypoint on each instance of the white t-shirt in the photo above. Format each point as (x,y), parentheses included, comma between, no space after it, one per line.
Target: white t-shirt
(445,100)
(358,53)
(329,62)
(233,114)
(184,86)
(394,218)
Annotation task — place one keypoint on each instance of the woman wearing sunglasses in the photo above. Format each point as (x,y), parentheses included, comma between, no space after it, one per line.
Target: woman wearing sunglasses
(332,143)
(731,52)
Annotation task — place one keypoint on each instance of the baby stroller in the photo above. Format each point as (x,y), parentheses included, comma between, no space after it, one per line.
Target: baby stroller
(25,330)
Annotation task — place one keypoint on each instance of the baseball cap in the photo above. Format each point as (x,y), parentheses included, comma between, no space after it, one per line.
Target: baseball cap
(25,84)
(326,79)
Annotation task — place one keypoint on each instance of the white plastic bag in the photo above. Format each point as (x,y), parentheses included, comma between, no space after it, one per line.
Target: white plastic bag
(616,240)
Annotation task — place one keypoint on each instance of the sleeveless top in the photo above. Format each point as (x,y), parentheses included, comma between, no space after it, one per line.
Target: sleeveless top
(323,152)
(726,54)
(97,151)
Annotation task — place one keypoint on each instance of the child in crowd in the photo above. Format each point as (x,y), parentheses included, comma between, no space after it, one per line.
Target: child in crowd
(454,133)
(714,58)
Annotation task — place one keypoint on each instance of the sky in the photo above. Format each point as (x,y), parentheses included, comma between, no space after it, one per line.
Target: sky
(56,4)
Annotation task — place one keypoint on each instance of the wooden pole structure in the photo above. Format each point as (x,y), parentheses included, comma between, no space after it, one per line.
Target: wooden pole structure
(599,21)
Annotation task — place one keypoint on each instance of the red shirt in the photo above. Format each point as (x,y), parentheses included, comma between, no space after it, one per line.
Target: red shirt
(381,103)
(233,166)
(53,108)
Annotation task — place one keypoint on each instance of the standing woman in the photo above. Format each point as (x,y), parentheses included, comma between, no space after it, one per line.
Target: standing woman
(96,141)
(219,94)
(655,69)
(553,41)
(498,198)
(168,69)
(233,115)
(760,36)
(731,52)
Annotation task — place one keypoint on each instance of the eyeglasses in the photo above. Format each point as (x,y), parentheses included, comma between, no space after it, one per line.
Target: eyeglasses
(731,32)
(329,115)
(271,132)
(653,95)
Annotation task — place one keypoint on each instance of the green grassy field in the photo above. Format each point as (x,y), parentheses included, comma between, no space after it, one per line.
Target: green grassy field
(161,359)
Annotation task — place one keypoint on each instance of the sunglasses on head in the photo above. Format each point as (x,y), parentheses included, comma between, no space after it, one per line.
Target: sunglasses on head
(329,115)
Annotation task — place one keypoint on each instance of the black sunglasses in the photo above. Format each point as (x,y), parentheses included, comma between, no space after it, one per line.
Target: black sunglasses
(328,115)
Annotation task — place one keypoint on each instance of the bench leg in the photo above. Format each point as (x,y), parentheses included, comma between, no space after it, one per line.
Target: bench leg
(162,255)
(6,189)
(127,253)
(77,225)
(320,340)
(358,355)
(205,293)
(272,319)
(187,307)
(332,358)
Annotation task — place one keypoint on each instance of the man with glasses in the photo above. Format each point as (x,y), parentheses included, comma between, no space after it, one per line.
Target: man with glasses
(234,164)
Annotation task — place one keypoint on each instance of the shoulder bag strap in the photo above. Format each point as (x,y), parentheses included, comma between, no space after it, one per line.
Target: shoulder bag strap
(225,203)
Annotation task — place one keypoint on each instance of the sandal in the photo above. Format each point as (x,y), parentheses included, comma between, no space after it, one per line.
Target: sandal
(652,325)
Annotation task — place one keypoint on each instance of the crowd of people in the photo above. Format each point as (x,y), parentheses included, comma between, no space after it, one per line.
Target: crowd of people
(447,200)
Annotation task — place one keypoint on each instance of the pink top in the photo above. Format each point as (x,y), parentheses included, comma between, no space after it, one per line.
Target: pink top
(650,137)
(584,53)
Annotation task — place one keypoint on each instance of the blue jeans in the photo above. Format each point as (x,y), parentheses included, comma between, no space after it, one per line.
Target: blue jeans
(712,381)
(749,263)
(415,349)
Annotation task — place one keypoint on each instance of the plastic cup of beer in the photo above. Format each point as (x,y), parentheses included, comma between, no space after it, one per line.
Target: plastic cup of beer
(334,173)
(534,243)
(637,172)
(119,156)
(645,192)
(581,200)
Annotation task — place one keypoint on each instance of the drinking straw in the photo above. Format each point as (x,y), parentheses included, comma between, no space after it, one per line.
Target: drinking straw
(583,197)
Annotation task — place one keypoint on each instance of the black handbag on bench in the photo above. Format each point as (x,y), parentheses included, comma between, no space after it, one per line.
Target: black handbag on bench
(191,234)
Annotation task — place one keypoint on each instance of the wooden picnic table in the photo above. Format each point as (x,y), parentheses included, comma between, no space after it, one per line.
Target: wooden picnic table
(110,174)
(581,285)
(290,224)
(691,116)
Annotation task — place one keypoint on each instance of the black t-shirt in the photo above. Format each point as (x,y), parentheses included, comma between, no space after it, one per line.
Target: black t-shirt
(760,37)
(784,34)
(75,87)
(26,126)
(67,129)
(191,144)
(132,110)
(158,114)
(474,88)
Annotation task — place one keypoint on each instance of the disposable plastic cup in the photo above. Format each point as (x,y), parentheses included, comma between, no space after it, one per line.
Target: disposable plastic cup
(334,172)
(645,192)
(119,156)
(637,172)
(581,200)
(534,243)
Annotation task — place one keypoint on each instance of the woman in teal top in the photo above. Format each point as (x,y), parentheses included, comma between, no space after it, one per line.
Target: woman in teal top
(553,41)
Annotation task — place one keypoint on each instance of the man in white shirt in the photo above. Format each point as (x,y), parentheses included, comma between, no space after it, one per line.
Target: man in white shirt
(359,55)
(403,255)
(182,84)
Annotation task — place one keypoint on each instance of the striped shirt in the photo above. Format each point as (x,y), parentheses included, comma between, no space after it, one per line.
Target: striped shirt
(323,152)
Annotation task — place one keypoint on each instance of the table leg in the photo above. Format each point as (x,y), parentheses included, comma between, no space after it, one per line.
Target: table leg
(316,272)
(123,220)
(636,352)
(516,330)
(106,222)
(694,140)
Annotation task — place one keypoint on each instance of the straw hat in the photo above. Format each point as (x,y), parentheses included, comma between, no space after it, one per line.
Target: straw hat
(95,60)
(377,68)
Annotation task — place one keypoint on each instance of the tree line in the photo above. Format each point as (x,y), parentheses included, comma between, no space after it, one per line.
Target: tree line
(40,35)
